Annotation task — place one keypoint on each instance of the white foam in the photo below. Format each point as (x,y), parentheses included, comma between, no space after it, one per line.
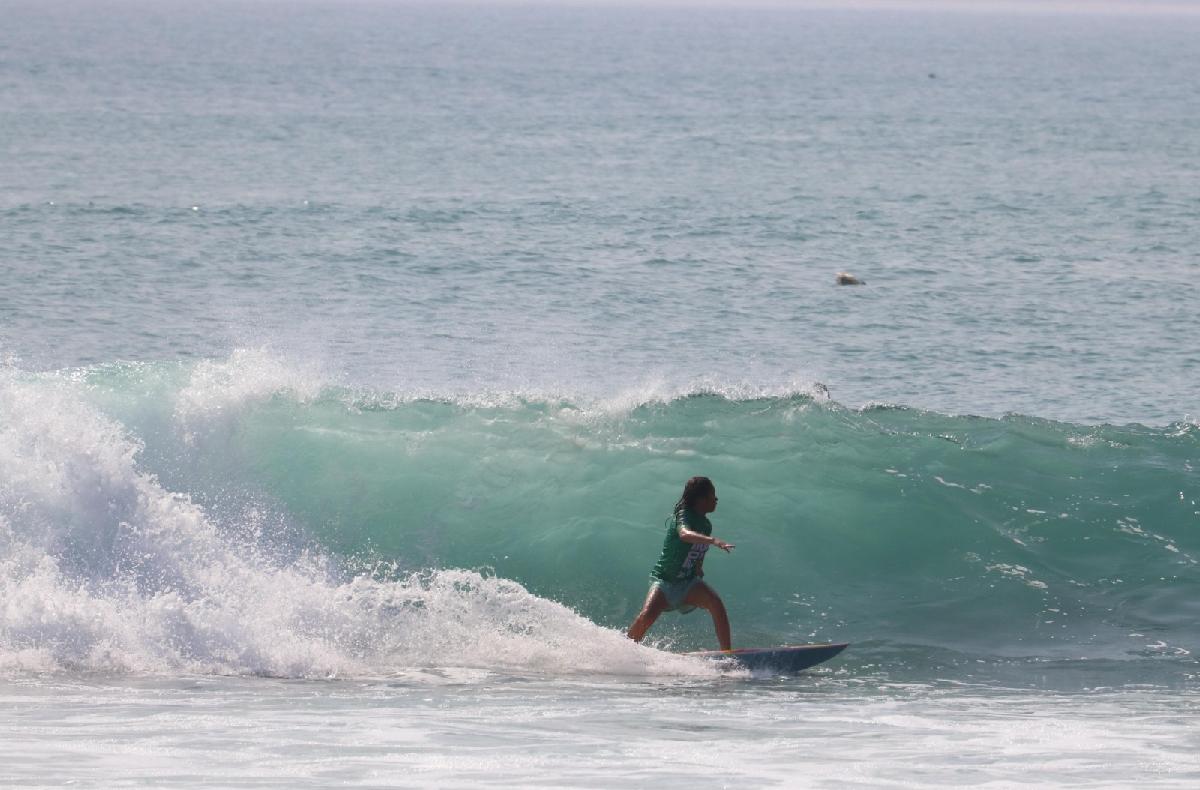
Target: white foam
(102,569)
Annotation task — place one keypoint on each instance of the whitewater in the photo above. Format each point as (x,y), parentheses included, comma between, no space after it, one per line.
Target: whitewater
(353,355)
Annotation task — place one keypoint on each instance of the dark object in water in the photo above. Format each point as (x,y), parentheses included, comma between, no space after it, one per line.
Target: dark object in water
(845,278)
(778,660)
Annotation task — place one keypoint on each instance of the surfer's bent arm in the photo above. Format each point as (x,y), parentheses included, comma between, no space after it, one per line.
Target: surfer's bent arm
(687,536)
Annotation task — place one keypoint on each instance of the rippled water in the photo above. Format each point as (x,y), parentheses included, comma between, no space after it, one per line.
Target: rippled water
(590,199)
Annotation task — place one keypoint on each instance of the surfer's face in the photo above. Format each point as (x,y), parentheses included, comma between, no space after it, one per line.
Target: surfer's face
(707,504)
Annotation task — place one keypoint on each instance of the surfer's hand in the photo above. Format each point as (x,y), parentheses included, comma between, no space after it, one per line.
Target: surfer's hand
(720,544)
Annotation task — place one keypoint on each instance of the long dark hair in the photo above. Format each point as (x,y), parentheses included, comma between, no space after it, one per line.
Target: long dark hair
(695,488)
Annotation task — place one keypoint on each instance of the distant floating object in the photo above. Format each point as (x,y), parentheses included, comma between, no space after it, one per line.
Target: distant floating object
(845,278)
(932,76)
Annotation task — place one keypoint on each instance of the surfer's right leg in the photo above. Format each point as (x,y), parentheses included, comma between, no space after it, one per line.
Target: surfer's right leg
(706,598)
(656,604)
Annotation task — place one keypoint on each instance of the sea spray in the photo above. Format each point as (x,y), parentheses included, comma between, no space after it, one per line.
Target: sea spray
(104,569)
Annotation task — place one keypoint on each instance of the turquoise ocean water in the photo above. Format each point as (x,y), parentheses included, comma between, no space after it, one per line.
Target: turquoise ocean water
(352,355)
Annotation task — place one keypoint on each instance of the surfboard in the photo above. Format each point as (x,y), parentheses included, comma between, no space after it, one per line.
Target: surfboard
(781,660)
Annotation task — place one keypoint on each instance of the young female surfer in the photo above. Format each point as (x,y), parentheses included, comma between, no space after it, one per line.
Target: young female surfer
(676,580)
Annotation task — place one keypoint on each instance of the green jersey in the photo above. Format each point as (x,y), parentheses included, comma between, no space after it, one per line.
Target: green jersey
(679,559)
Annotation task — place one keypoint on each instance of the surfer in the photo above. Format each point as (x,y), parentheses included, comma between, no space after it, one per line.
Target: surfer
(676,582)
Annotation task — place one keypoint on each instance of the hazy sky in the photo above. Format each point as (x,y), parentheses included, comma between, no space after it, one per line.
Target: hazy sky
(1156,7)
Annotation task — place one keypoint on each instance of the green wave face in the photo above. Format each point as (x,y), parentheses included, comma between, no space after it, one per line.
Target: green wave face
(993,537)
(921,537)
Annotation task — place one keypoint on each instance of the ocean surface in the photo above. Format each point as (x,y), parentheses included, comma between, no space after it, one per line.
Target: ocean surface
(353,354)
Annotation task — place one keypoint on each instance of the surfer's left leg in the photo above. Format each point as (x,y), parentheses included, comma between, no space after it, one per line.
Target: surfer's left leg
(706,598)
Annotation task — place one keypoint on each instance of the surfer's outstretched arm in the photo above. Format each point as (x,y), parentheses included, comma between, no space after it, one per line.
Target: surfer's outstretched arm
(688,536)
